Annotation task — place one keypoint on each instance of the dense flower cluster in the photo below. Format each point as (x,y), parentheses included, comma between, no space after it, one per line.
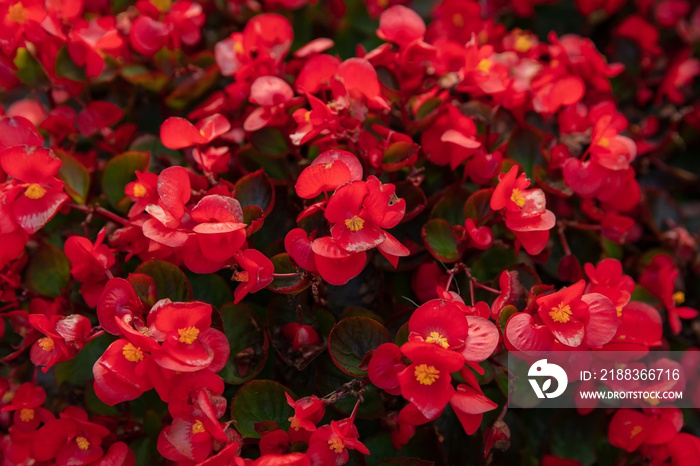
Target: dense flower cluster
(281,232)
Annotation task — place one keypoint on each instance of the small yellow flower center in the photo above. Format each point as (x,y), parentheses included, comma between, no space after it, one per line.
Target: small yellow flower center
(523,43)
(139,190)
(652,401)
(355,223)
(604,142)
(518,197)
(17,13)
(561,313)
(8,396)
(458,20)
(188,335)
(679,297)
(82,442)
(426,375)
(46,344)
(294,422)
(35,191)
(241,276)
(484,65)
(336,445)
(238,48)
(132,353)
(619,311)
(307,116)
(197,427)
(26,414)
(636,431)
(436,337)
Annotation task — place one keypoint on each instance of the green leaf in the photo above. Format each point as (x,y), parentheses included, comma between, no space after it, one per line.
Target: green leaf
(29,70)
(258,401)
(351,339)
(192,87)
(210,288)
(139,75)
(171,282)
(505,314)
(398,155)
(48,271)
(66,68)
(78,371)
(119,172)
(249,343)
(75,175)
(287,285)
(270,142)
(525,147)
(440,240)
(450,207)
(478,205)
(256,189)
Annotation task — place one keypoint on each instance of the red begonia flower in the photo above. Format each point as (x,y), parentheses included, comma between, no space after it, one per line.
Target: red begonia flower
(71,439)
(440,323)
(640,328)
(298,246)
(36,195)
(64,338)
(26,407)
(89,261)
(255,275)
(90,41)
(189,344)
(97,116)
(122,373)
(330,444)
(308,412)
(426,381)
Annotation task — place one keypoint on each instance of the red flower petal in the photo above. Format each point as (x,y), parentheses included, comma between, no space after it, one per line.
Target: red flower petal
(174,190)
(32,214)
(29,164)
(386,363)
(400,25)
(298,246)
(602,320)
(316,179)
(522,334)
(178,133)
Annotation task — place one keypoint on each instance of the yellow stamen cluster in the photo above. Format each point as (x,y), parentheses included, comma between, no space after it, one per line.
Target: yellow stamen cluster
(355,224)
(17,13)
(139,190)
(46,344)
(561,313)
(679,297)
(197,427)
(241,276)
(437,337)
(132,353)
(294,422)
(188,335)
(35,191)
(82,442)
(518,197)
(336,445)
(26,414)
(425,374)
(484,65)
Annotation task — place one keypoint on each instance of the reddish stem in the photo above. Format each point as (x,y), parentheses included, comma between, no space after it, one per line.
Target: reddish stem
(102,212)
